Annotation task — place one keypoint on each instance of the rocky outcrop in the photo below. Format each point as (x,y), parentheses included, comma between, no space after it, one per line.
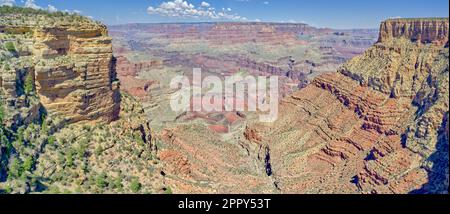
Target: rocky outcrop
(127,68)
(376,126)
(58,92)
(127,73)
(432,30)
(72,68)
(84,89)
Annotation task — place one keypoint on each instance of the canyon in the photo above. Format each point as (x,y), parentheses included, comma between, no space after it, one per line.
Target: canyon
(150,55)
(377,125)
(85,107)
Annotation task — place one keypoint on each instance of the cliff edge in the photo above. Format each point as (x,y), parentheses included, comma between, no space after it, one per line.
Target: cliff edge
(425,30)
(64,60)
(378,125)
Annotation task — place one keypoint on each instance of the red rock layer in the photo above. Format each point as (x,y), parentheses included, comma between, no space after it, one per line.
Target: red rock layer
(356,131)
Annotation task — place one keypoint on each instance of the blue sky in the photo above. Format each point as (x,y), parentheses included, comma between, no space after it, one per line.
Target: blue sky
(319,13)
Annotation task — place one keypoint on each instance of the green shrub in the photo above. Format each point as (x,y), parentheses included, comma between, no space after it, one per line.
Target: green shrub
(168,191)
(8,190)
(135,186)
(2,112)
(99,150)
(28,164)
(15,168)
(7,67)
(29,84)
(51,140)
(118,183)
(69,158)
(82,148)
(101,181)
(138,139)
(9,46)
(30,11)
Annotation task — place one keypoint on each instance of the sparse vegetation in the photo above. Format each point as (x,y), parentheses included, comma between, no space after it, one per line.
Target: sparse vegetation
(168,191)
(9,46)
(6,67)
(101,181)
(16,16)
(51,140)
(2,112)
(15,168)
(135,186)
(29,84)
(69,158)
(118,183)
(27,11)
(98,150)
(28,164)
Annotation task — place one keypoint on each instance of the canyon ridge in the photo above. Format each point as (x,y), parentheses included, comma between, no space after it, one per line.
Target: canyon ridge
(85,107)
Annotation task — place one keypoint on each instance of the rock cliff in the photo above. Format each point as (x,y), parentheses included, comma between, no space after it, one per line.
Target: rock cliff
(432,30)
(378,125)
(64,125)
(69,64)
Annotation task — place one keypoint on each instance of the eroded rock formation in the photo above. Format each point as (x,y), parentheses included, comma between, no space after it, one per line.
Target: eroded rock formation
(72,69)
(59,101)
(432,30)
(379,125)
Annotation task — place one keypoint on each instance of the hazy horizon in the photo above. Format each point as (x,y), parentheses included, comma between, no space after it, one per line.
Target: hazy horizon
(268,22)
(228,22)
(346,14)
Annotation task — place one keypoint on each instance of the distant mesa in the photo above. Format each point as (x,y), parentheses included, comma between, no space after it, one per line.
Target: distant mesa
(426,30)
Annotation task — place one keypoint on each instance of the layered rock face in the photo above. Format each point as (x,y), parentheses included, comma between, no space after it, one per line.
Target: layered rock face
(72,69)
(379,125)
(294,52)
(58,93)
(85,88)
(433,30)
(225,33)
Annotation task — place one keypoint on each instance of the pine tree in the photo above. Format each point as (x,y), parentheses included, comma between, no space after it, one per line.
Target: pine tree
(15,168)
(29,84)
(28,164)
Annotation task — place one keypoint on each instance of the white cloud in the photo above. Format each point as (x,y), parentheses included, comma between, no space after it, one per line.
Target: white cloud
(52,8)
(73,11)
(266,2)
(205,4)
(7,3)
(184,9)
(291,21)
(31,4)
